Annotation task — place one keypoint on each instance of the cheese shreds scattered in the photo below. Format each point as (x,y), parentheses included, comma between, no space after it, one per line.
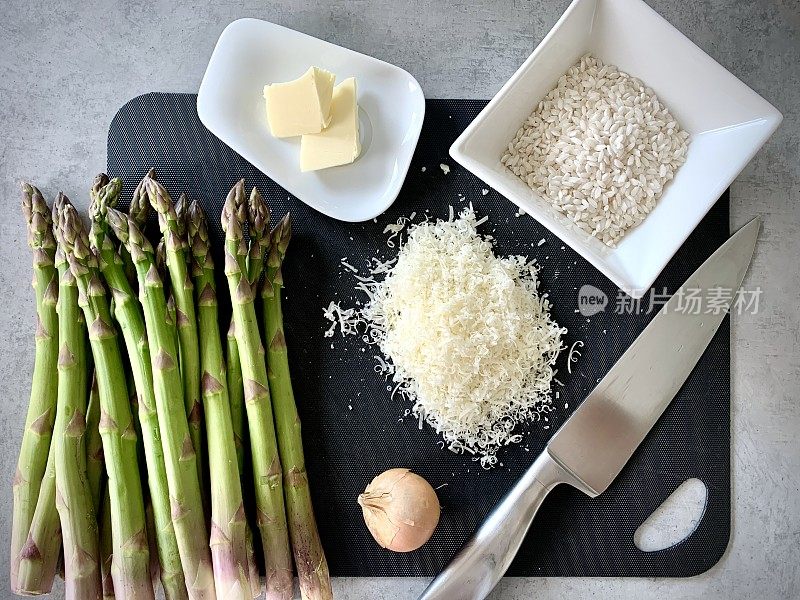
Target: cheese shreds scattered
(574,354)
(345,319)
(348,266)
(395,228)
(465,334)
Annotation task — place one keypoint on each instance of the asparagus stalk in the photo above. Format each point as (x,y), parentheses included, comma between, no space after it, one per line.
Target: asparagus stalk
(258,217)
(31,557)
(172,318)
(130,562)
(179,453)
(161,264)
(94,446)
(258,213)
(95,467)
(252,564)
(133,402)
(100,181)
(74,499)
(106,546)
(39,557)
(309,557)
(228,520)
(182,289)
(150,527)
(236,400)
(258,228)
(263,444)
(172,311)
(128,314)
(138,210)
(236,393)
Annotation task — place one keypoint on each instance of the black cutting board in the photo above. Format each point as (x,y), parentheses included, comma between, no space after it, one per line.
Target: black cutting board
(352,428)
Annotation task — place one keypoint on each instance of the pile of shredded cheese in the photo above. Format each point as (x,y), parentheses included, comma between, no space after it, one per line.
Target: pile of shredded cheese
(466,335)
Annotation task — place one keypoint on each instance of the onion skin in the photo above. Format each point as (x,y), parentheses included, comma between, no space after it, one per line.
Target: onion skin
(401,510)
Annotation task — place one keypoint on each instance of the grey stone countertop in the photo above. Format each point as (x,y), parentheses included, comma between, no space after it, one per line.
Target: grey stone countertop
(67,66)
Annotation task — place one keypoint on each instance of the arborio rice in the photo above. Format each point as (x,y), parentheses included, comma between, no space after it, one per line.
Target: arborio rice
(601,147)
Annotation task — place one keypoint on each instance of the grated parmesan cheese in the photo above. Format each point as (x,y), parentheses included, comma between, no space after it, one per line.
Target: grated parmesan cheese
(344,318)
(465,334)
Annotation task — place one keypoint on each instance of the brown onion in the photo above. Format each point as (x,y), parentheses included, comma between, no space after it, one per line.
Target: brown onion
(401,510)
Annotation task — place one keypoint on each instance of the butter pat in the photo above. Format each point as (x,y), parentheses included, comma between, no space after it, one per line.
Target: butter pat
(338,144)
(300,106)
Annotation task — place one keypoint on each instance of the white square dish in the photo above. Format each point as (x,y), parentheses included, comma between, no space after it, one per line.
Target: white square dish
(251,53)
(727,121)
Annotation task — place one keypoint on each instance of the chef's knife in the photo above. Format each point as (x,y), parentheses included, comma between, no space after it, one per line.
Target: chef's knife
(592,447)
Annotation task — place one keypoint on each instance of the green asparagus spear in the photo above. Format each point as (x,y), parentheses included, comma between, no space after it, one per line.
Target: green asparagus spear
(228,521)
(252,564)
(175,244)
(36,575)
(258,217)
(39,557)
(179,453)
(130,562)
(258,221)
(100,181)
(106,545)
(138,210)
(259,239)
(309,557)
(172,311)
(182,221)
(150,526)
(140,204)
(258,228)
(235,393)
(94,445)
(128,314)
(236,396)
(266,463)
(73,492)
(161,267)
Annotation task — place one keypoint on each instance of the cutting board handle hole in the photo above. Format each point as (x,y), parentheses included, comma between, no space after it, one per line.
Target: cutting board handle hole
(675,519)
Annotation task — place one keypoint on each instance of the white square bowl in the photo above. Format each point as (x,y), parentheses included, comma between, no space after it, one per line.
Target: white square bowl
(727,121)
(251,53)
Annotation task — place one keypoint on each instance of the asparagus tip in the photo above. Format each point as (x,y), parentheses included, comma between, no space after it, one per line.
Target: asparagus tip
(99,182)
(140,205)
(234,212)
(282,233)
(258,217)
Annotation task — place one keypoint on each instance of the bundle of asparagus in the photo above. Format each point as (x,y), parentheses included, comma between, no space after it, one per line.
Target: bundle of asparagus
(104,481)
(35,529)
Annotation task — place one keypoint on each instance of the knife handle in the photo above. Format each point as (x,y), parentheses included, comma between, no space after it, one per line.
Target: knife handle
(482,561)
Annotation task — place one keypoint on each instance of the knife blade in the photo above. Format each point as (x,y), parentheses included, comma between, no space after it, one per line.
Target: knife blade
(595,443)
